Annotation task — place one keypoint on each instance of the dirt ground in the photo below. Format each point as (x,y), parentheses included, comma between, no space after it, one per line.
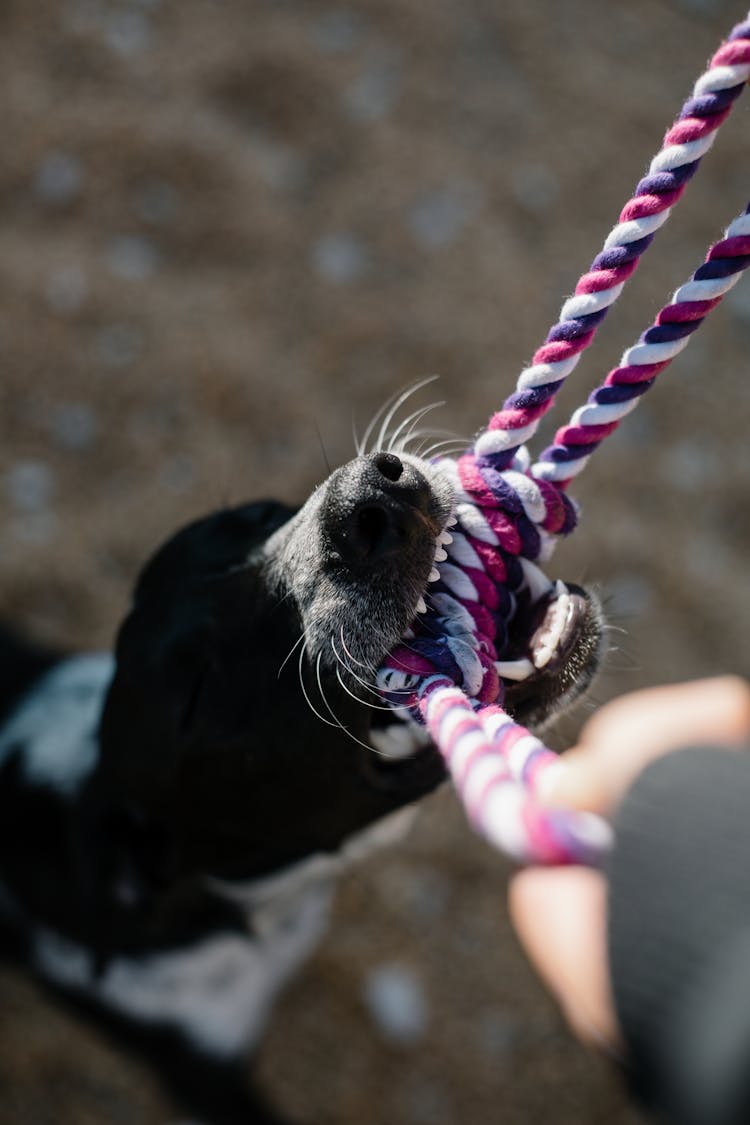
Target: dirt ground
(227,228)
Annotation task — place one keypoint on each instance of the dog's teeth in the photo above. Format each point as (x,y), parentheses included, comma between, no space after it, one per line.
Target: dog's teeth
(539,585)
(549,641)
(451,521)
(440,555)
(514,669)
(542,656)
(445,537)
(421,606)
(560,588)
(434,575)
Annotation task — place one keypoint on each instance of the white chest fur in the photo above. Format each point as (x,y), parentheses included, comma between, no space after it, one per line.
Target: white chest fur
(218,992)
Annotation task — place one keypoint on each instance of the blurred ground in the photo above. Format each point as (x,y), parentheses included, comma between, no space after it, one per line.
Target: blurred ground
(225,228)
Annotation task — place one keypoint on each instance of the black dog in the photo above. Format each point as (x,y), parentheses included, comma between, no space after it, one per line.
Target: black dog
(172,820)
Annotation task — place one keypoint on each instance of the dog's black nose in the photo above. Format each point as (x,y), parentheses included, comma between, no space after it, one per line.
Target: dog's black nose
(389,465)
(376,507)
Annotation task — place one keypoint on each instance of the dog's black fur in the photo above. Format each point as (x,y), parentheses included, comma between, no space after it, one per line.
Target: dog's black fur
(171,871)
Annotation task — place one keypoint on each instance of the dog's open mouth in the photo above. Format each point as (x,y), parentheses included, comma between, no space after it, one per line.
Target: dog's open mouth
(549,631)
(555,649)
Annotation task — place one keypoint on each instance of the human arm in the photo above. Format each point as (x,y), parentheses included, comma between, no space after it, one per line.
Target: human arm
(674,893)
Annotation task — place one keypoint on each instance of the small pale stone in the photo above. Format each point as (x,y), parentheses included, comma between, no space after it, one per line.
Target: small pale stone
(372,95)
(128,33)
(132,257)
(74,426)
(439,217)
(30,486)
(337,32)
(396,1001)
(340,257)
(57,180)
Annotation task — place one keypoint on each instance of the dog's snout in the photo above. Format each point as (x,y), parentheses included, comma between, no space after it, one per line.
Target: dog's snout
(376,507)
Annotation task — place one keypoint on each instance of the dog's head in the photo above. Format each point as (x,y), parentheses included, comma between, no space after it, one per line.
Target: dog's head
(244,718)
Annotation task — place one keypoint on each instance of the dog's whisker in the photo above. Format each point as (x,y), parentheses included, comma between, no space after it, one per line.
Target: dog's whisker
(377,416)
(338,723)
(448,447)
(362,448)
(425,433)
(371,684)
(354,696)
(402,398)
(284,597)
(323,450)
(443,432)
(358,445)
(309,702)
(350,655)
(424,436)
(610,627)
(412,420)
(353,737)
(323,695)
(370,687)
(289,655)
(414,436)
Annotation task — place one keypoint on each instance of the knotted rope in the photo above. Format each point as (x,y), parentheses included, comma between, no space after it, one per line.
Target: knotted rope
(449,672)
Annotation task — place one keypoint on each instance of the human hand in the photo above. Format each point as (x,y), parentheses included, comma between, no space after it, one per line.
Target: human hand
(560,914)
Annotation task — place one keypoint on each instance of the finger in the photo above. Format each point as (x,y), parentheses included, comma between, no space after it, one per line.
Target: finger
(629,733)
(560,918)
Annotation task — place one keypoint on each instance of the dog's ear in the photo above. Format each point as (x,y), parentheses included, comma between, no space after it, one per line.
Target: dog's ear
(176,686)
(210,546)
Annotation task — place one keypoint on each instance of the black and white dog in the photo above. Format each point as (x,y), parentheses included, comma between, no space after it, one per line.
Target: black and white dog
(172,819)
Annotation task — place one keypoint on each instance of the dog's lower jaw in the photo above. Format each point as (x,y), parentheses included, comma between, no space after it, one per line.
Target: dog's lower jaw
(567,670)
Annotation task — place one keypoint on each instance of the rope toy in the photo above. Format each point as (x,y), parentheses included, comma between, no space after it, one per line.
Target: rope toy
(449,673)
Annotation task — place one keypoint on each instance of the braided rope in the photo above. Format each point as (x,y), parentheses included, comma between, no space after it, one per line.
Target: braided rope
(508,516)
(621,391)
(670,171)
(497,766)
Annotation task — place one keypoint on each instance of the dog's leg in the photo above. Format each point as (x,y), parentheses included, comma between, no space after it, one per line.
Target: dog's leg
(215,1093)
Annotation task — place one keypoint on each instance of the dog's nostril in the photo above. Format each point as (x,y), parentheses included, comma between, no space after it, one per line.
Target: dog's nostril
(371,534)
(389,465)
(371,527)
